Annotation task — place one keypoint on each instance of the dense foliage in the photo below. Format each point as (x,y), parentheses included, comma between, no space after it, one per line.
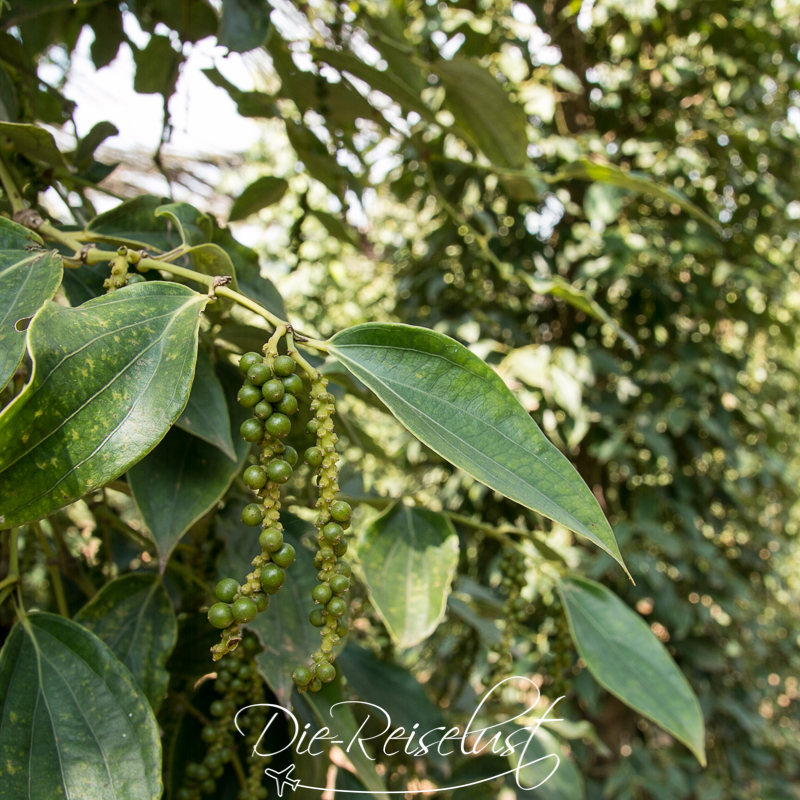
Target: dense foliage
(604,219)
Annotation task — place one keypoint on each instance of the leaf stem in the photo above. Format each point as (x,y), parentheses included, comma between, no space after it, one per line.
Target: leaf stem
(14,196)
(53,571)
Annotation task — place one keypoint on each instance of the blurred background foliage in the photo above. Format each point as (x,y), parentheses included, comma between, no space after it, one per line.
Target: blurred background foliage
(472,167)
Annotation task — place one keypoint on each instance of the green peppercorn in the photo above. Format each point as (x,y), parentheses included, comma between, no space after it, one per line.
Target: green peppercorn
(279,425)
(244,610)
(249,395)
(315,685)
(284,365)
(208,786)
(252,515)
(321,593)
(341,511)
(273,390)
(212,761)
(263,409)
(261,600)
(293,384)
(340,548)
(208,735)
(342,630)
(339,584)
(247,361)
(343,568)
(337,607)
(332,533)
(287,405)
(302,676)
(251,430)
(226,590)
(220,616)
(289,455)
(279,471)
(313,457)
(285,556)
(237,685)
(183,794)
(193,772)
(254,477)
(311,427)
(259,374)
(217,708)
(272,578)
(271,539)
(326,672)
(317,618)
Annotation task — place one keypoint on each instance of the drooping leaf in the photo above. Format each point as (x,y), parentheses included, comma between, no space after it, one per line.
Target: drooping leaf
(635,181)
(134,616)
(556,286)
(484,112)
(105,20)
(8,97)
(206,413)
(134,223)
(261,193)
(248,104)
(336,228)
(408,557)
(193,226)
(72,721)
(458,406)
(284,628)
(27,281)
(342,720)
(17,237)
(185,477)
(96,136)
(244,24)
(33,141)
(386,82)
(627,659)
(109,379)
(321,165)
(211,259)
(157,67)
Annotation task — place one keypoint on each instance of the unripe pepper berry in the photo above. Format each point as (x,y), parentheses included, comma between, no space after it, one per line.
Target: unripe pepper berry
(336,607)
(302,676)
(317,618)
(278,425)
(220,616)
(226,590)
(321,593)
(293,384)
(255,477)
(341,511)
(272,578)
(285,556)
(326,672)
(258,374)
(279,471)
(339,584)
(249,395)
(271,539)
(247,361)
(287,405)
(313,457)
(263,409)
(273,390)
(252,515)
(283,366)
(244,610)
(252,430)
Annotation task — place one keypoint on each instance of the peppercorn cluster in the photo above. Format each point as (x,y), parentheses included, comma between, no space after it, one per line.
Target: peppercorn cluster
(238,686)
(333,518)
(270,388)
(512,570)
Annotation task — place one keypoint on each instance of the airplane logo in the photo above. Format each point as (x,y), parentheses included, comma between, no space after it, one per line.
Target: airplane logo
(282,778)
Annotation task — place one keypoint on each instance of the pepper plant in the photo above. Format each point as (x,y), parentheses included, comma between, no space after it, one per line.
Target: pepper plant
(179,540)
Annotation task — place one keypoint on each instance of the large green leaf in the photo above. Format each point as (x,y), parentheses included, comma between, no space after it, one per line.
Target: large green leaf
(157,66)
(89,143)
(458,406)
(408,557)
(134,616)
(72,721)
(206,413)
(181,480)
(342,720)
(627,659)
(261,193)
(35,142)
(17,237)
(109,379)
(484,112)
(565,783)
(193,226)
(27,281)
(635,181)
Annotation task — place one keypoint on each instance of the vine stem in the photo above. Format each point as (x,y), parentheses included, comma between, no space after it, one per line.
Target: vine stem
(53,571)
(12,579)
(14,196)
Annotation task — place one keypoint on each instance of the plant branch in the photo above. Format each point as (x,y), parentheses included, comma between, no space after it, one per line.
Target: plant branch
(10,187)
(53,571)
